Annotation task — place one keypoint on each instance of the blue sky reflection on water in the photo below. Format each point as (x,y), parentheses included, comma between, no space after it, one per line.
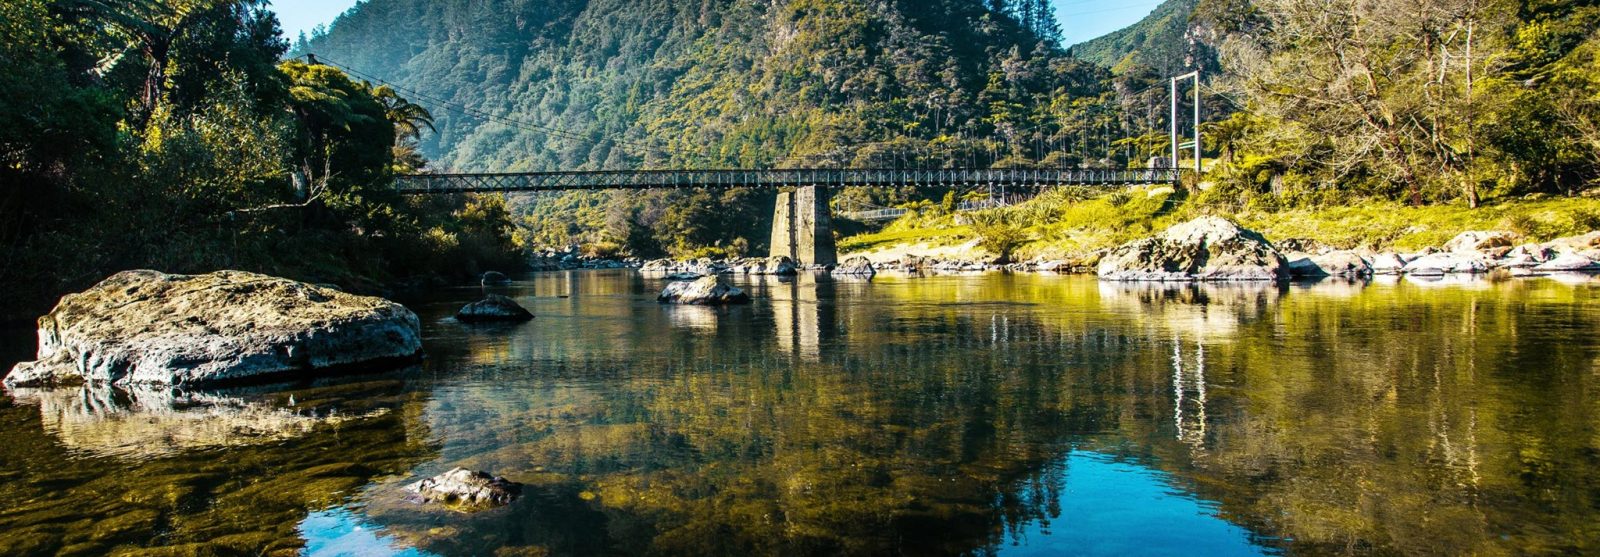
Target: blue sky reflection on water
(1106,508)
(1117,508)
(339,532)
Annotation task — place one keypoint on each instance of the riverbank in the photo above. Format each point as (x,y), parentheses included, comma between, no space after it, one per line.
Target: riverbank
(1068,230)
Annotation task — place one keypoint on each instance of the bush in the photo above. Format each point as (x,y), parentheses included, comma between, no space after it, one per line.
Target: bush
(999,232)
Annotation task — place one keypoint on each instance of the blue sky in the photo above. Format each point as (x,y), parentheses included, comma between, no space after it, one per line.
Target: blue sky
(1081,20)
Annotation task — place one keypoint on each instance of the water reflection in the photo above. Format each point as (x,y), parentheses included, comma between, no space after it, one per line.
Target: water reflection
(147,422)
(927,416)
(1108,507)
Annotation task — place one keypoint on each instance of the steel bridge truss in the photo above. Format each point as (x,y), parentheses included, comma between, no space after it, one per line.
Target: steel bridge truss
(420,184)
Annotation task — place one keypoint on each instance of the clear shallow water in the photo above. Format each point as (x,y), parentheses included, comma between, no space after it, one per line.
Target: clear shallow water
(995,414)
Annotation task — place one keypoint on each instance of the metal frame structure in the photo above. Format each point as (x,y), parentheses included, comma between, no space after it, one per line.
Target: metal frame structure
(1194,75)
(422,184)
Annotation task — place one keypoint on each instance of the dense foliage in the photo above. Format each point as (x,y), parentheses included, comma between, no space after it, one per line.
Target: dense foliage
(1424,100)
(594,84)
(167,134)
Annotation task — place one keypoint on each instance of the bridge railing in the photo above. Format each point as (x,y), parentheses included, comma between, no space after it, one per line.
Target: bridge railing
(667,179)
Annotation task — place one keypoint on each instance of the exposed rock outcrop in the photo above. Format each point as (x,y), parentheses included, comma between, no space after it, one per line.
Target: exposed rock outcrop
(704,291)
(1204,249)
(856,267)
(495,308)
(147,327)
(466,490)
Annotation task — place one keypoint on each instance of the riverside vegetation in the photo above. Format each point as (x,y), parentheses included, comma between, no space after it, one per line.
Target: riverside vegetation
(168,134)
(1315,113)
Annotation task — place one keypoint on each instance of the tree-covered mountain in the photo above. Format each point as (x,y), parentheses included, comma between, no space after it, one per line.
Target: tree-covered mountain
(1162,41)
(596,84)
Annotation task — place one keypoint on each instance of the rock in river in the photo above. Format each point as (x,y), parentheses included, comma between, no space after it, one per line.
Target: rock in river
(147,327)
(467,490)
(856,267)
(703,291)
(1446,263)
(1207,248)
(494,308)
(494,278)
(1331,264)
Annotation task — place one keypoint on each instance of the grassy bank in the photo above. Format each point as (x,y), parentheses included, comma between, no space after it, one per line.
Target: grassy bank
(1069,223)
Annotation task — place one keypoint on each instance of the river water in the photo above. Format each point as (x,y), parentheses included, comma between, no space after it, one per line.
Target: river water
(992,414)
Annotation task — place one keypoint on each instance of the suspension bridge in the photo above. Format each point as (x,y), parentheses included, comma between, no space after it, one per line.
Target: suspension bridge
(802,222)
(512,182)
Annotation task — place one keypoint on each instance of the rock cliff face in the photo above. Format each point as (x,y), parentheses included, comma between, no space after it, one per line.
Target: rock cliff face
(152,328)
(1204,249)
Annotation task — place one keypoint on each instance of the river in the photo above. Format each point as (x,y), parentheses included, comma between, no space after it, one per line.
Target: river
(990,414)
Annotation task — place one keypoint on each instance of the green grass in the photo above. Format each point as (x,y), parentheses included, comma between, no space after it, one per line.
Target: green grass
(1070,224)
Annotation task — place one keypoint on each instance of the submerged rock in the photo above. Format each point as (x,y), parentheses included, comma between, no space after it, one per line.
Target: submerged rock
(703,291)
(857,266)
(494,278)
(147,327)
(1207,248)
(494,308)
(464,489)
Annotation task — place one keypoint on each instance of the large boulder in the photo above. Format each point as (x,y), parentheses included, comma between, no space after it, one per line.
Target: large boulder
(1480,240)
(147,327)
(1525,257)
(703,291)
(1204,249)
(1388,263)
(1570,262)
(1331,264)
(857,266)
(1447,263)
(465,490)
(495,308)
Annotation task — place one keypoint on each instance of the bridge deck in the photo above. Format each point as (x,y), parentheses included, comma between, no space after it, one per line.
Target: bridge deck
(671,179)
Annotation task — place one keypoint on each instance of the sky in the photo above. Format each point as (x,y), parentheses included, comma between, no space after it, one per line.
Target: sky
(1081,20)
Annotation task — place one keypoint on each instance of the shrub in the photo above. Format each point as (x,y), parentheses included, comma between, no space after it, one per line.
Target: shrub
(999,232)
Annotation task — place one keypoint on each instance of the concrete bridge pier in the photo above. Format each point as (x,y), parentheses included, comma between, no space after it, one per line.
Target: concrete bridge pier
(802,227)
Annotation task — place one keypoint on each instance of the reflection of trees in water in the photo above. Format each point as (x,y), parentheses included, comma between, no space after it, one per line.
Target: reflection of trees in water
(1392,420)
(912,441)
(932,415)
(63,490)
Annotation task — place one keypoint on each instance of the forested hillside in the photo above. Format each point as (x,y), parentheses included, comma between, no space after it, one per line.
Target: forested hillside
(592,84)
(1161,41)
(167,134)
